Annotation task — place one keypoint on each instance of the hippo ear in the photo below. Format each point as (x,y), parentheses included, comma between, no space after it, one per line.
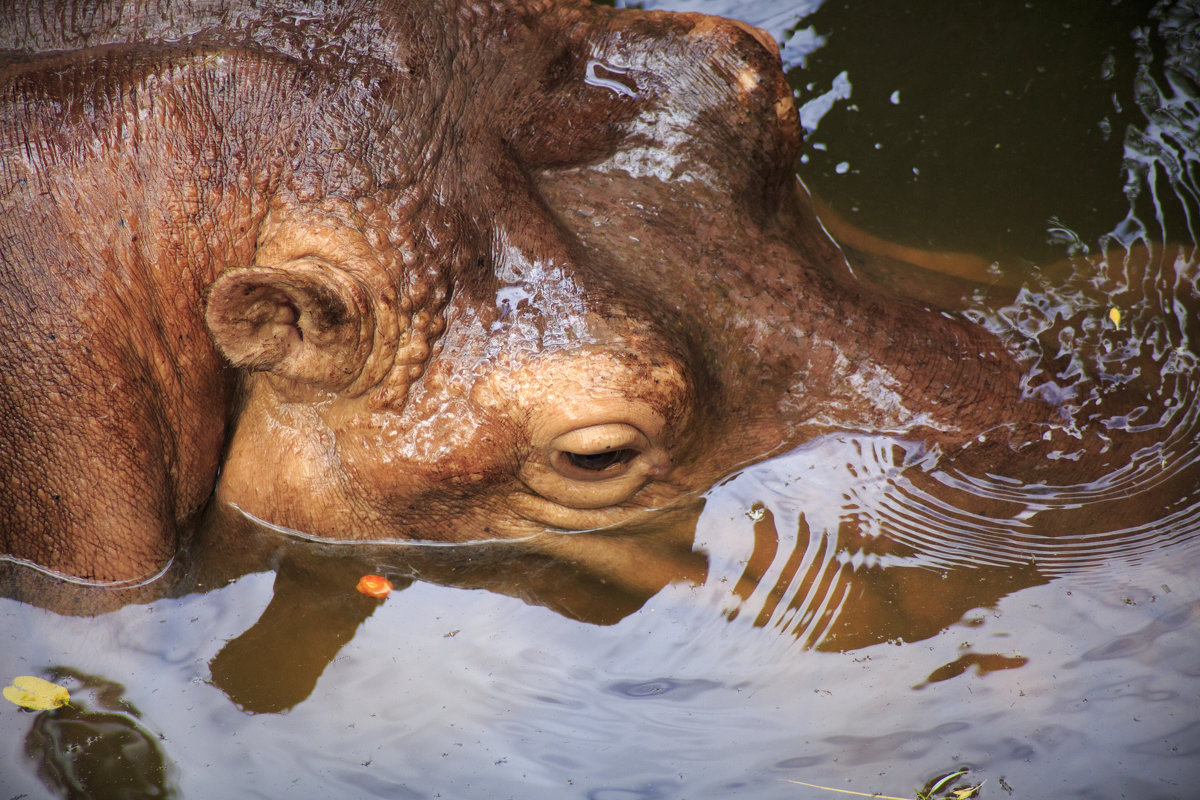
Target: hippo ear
(305,321)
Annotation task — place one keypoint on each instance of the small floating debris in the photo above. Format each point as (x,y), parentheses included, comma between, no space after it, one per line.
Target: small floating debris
(375,586)
(1114,314)
(940,788)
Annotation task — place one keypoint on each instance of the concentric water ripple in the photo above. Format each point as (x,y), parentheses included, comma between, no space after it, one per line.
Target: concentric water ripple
(818,543)
(920,520)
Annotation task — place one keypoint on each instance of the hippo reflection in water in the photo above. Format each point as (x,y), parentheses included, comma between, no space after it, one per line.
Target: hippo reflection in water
(434,271)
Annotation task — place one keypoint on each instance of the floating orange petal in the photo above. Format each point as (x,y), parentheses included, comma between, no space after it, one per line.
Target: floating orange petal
(375,586)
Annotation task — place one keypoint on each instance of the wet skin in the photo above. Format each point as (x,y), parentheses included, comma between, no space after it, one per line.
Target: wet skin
(427,272)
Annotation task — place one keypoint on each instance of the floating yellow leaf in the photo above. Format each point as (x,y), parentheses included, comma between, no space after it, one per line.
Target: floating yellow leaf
(1114,314)
(35,693)
(375,586)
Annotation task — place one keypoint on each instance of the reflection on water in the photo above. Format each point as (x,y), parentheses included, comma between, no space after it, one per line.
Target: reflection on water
(860,613)
(81,754)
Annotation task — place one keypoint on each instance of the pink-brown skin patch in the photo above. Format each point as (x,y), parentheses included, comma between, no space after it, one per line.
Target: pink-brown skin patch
(442,271)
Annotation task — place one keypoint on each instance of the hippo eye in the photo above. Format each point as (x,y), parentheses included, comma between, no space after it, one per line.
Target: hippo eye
(594,466)
(599,462)
(597,452)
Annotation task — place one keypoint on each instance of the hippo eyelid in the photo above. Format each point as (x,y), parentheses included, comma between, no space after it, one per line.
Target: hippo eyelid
(597,452)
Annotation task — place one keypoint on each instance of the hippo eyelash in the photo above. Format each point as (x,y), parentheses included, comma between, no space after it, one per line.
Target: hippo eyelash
(599,462)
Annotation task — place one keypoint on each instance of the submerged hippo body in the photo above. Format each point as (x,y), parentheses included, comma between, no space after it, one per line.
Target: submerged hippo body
(419,270)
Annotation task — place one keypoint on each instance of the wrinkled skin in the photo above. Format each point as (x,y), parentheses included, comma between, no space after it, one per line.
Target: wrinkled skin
(422,271)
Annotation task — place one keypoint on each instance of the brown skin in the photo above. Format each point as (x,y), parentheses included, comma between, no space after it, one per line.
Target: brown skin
(411,280)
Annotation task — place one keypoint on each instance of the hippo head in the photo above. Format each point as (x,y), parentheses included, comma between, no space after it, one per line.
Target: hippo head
(547,270)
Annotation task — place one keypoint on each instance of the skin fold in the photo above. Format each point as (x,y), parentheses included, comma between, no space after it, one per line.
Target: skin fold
(425,271)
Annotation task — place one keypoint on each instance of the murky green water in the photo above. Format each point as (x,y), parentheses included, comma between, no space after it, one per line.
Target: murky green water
(840,616)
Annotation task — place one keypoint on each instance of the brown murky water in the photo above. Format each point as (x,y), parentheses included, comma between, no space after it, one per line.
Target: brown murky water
(852,615)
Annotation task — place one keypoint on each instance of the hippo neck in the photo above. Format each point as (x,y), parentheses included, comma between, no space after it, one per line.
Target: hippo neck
(166,212)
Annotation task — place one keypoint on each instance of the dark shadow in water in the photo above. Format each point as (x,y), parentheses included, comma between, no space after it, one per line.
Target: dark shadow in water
(315,609)
(276,663)
(97,754)
(964,156)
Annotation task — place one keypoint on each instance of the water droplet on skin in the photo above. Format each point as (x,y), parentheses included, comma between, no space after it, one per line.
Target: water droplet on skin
(609,77)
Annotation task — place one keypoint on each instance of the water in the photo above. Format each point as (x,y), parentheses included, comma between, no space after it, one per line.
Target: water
(855,614)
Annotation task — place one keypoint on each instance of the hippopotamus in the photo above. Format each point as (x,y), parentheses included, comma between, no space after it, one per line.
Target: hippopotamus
(414,270)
